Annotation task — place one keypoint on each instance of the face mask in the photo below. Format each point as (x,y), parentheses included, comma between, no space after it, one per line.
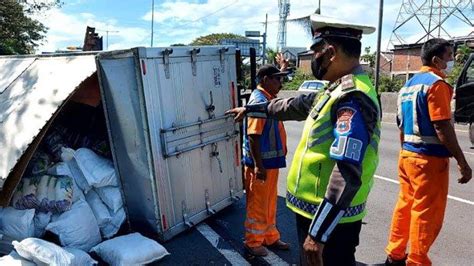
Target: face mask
(317,68)
(449,67)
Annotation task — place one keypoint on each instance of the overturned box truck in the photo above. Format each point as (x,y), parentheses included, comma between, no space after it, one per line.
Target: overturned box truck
(175,153)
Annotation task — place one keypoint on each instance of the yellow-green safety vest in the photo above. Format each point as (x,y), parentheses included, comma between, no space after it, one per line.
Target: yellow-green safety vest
(312,166)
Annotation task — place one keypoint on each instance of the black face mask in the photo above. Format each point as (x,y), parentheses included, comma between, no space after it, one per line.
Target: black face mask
(316,66)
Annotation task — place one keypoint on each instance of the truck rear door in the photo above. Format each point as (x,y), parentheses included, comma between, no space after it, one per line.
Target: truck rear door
(464,112)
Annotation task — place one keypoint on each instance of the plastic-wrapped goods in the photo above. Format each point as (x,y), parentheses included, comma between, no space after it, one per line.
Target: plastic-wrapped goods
(62,168)
(43,252)
(54,141)
(45,193)
(39,163)
(132,249)
(76,228)
(17,224)
(98,171)
(14,259)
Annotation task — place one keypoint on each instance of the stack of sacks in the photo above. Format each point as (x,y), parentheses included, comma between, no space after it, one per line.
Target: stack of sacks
(95,177)
(104,195)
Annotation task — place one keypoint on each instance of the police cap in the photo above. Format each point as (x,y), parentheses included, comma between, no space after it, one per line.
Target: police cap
(322,26)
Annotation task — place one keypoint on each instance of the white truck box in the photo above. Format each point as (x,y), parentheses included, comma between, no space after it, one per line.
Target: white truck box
(177,155)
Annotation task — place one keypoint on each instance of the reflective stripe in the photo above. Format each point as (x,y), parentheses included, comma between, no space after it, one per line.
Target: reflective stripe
(326,234)
(312,208)
(324,213)
(255,231)
(321,139)
(421,139)
(374,143)
(415,127)
(321,127)
(272,154)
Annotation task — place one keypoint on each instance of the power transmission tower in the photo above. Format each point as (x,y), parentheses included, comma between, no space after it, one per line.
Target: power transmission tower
(284,11)
(429,19)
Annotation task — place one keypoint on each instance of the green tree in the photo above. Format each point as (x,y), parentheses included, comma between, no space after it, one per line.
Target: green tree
(462,54)
(215,38)
(368,56)
(35,6)
(271,54)
(19,33)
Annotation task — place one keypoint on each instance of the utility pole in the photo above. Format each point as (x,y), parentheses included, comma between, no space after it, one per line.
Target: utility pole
(152,20)
(107,37)
(379,39)
(264,45)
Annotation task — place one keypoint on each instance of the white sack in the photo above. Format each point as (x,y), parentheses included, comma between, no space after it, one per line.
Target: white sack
(112,228)
(42,252)
(99,209)
(78,176)
(77,227)
(80,258)
(111,196)
(41,220)
(14,259)
(132,249)
(17,224)
(98,171)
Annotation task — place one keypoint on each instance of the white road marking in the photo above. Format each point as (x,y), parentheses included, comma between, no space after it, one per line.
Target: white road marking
(231,255)
(273,259)
(449,196)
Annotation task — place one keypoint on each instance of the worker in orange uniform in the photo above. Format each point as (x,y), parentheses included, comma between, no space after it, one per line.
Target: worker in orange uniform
(428,140)
(264,151)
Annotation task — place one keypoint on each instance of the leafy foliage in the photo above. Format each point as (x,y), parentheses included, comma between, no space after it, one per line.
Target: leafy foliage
(368,56)
(35,6)
(215,38)
(19,34)
(462,54)
(299,77)
(271,54)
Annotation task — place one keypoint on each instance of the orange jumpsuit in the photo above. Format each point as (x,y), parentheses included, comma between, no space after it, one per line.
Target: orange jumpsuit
(419,212)
(260,224)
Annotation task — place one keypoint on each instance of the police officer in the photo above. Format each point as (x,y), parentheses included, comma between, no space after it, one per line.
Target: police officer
(333,166)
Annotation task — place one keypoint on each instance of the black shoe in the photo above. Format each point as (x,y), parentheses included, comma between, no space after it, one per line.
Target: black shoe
(391,262)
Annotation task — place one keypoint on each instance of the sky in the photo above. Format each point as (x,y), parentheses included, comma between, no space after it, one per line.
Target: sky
(127,23)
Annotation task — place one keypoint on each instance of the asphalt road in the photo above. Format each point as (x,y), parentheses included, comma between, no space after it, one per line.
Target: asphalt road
(219,240)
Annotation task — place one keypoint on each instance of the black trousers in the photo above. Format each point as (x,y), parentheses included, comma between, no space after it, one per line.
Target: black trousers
(340,248)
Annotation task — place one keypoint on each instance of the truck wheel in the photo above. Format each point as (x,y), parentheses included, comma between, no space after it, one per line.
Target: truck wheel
(471,134)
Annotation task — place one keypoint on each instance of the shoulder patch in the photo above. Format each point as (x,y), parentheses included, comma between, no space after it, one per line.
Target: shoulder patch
(344,119)
(347,82)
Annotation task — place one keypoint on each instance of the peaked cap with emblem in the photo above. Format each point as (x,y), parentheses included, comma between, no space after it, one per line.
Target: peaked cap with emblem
(322,26)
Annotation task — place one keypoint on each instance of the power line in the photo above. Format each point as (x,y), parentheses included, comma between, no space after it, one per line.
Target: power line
(210,14)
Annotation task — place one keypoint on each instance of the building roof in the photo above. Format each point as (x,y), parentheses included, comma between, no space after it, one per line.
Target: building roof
(293,50)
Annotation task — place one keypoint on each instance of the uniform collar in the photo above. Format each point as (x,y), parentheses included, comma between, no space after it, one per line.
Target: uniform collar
(266,93)
(434,70)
